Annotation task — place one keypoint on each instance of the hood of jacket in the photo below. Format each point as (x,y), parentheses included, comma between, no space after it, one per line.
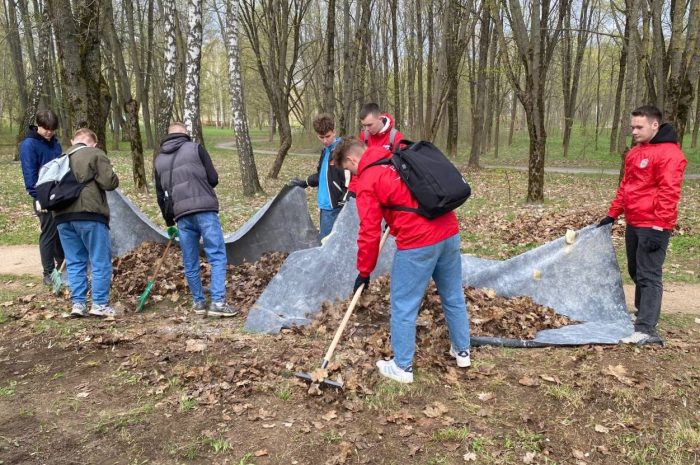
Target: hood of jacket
(388,121)
(33,133)
(371,155)
(172,142)
(666,134)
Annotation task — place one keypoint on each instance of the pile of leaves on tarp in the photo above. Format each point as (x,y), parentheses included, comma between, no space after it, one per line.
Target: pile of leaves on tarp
(367,337)
(131,272)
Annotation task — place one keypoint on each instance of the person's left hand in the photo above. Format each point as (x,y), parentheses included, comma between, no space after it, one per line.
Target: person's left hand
(296,182)
(606,220)
(172,232)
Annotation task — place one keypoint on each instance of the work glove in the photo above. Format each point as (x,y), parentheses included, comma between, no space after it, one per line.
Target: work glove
(296,182)
(172,232)
(359,281)
(606,220)
(38,207)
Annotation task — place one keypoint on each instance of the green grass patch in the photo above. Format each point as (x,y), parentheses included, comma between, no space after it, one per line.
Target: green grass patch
(451,434)
(9,390)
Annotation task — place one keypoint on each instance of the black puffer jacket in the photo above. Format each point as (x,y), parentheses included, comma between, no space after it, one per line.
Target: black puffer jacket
(193,177)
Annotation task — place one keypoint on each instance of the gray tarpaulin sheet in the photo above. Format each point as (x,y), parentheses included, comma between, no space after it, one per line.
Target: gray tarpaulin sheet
(310,277)
(581,281)
(283,224)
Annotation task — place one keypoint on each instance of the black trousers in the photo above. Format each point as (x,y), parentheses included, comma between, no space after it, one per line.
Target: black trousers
(50,247)
(646,252)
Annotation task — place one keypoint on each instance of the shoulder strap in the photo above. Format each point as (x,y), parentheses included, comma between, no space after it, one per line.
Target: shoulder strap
(71,152)
(365,136)
(392,138)
(170,181)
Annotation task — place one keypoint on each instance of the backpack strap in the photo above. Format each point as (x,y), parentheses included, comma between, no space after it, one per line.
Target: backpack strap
(387,161)
(392,138)
(365,136)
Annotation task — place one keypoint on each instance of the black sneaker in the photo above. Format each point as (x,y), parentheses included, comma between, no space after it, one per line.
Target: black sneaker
(200,308)
(222,309)
(48,281)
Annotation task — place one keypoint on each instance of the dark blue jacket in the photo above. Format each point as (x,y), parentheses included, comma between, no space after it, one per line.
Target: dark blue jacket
(35,152)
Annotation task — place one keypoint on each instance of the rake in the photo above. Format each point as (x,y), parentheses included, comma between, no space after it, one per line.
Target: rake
(309,377)
(152,279)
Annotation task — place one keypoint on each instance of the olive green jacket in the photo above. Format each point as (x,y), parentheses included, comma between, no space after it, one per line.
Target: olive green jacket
(91,167)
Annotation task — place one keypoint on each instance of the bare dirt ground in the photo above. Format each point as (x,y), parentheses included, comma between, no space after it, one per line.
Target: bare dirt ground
(20,260)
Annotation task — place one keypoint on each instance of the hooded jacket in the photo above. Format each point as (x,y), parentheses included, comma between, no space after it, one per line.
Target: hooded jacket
(381,139)
(91,167)
(651,185)
(381,185)
(193,177)
(35,152)
(336,180)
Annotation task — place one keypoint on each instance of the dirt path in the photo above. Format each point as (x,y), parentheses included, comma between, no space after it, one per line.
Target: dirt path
(678,297)
(20,259)
(575,170)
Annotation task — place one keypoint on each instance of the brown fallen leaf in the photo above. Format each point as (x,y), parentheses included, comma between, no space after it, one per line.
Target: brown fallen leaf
(469,457)
(195,345)
(620,373)
(550,379)
(527,381)
(601,429)
(260,453)
(330,415)
(486,396)
(435,410)
(529,457)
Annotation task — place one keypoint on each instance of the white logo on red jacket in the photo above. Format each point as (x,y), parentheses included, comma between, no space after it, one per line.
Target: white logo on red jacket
(644,163)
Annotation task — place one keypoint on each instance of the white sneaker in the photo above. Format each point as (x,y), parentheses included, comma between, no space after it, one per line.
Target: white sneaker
(463,357)
(641,339)
(102,310)
(79,310)
(392,371)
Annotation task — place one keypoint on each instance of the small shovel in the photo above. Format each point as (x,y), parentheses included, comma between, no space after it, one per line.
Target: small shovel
(308,377)
(152,279)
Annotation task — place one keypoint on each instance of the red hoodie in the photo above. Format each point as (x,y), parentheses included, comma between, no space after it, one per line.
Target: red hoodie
(381,185)
(651,186)
(380,139)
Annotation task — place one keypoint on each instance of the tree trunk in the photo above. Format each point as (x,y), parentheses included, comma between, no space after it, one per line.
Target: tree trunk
(350,60)
(191,112)
(246,162)
(78,40)
(615,129)
(137,163)
(167,97)
(395,55)
(479,100)
(141,92)
(40,74)
(633,11)
(420,94)
(430,71)
(696,120)
(329,77)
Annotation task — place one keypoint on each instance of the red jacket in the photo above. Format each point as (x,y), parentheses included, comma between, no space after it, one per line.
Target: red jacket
(381,185)
(651,186)
(381,139)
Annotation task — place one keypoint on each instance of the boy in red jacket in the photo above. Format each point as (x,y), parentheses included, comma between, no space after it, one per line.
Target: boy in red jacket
(648,196)
(378,128)
(426,249)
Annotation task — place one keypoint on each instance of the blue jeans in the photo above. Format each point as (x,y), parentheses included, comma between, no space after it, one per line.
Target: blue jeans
(83,241)
(205,225)
(410,275)
(327,221)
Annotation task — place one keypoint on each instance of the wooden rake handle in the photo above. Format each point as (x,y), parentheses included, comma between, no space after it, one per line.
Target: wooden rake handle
(160,260)
(348,312)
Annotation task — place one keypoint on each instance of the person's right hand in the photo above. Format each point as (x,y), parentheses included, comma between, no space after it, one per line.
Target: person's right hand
(359,281)
(172,232)
(296,182)
(606,220)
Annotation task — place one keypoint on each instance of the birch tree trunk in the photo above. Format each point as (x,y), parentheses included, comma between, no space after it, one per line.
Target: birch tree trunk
(479,101)
(246,161)
(167,97)
(191,110)
(395,55)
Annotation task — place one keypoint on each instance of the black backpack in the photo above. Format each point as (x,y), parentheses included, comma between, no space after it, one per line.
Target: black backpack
(436,184)
(57,188)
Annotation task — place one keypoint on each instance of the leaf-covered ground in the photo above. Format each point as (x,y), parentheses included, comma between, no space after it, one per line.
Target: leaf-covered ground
(169,387)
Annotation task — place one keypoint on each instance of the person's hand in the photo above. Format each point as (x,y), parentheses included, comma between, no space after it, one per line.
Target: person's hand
(38,207)
(172,232)
(359,281)
(605,221)
(296,182)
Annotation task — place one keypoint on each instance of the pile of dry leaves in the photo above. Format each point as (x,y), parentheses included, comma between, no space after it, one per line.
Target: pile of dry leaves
(367,336)
(131,273)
